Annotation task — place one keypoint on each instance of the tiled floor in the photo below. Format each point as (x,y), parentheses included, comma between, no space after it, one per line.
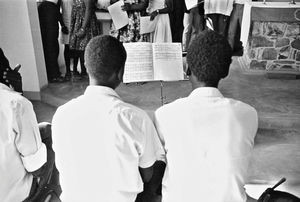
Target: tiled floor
(277,144)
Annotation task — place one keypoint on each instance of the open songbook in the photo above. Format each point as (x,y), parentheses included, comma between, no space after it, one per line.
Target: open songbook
(153,62)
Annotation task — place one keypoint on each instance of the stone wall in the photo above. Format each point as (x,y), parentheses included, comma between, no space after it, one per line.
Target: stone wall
(274,46)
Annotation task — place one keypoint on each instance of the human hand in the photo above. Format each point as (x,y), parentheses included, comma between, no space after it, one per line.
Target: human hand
(153,15)
(13,78)
(126,7)
(64,30)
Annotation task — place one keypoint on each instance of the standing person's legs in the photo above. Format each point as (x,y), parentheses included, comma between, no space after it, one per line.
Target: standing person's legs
(53,47)
(83,69)
(49,32)
(74,54)
(220,23)
(67,60)
(176,20)
(186,31)
(234,29)
(215,21)
(197,23)
(202,17)
(223,24)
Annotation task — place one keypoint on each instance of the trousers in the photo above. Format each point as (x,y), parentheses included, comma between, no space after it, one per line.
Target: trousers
(49,18)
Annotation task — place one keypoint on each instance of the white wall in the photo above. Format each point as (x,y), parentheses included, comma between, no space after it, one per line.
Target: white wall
(20,39)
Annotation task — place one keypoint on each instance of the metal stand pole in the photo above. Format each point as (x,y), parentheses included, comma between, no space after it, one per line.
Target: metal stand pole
(162,97)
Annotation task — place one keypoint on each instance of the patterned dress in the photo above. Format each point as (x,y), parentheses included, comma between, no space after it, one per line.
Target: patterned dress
(77,19)
(131,32)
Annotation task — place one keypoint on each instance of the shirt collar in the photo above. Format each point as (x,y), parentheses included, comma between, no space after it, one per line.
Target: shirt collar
(206,92)
(5,87)
(101,90)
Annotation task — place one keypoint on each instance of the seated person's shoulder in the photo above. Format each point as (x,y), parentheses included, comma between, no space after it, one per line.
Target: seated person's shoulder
(242,106)
(15,99)
(176,105)
(130,111)
(71,105)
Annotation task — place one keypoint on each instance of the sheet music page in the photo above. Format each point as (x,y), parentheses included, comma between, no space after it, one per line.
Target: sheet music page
(167,61)
(191,4)
(139,63)
(119,17)
(147,26)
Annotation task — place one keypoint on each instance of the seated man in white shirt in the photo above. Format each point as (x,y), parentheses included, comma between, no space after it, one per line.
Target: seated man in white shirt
(22,153)
(208,138)
(102,142)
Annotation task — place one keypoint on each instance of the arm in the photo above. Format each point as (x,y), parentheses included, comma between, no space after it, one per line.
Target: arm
(166,10)
(45,171)
(64,29)
(28,140)
(136,7)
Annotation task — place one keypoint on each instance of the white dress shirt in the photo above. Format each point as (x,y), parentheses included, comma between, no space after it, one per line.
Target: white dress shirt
(223,7)
(100,142)
(21,149)
(208,141)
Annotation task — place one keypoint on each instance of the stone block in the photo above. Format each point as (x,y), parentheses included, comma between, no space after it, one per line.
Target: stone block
(282,42)
(296,44)
(298,56)
(275,29)
(284,52)
(252,54)
(259,65)
(257,28)
(287,68)
(293,54)
(269,54)
(292,30)
(282,57)
(272,67)
(284,62)
(261,41)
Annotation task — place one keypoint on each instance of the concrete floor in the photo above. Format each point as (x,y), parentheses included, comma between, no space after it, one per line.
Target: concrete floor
(277,144)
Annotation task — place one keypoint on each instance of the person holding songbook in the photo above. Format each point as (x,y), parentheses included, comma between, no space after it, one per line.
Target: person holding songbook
(159,11)
(131,32)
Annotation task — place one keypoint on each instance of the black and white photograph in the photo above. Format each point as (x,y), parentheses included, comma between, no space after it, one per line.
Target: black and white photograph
(149,100)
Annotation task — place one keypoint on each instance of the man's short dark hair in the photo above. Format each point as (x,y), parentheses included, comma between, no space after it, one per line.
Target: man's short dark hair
(104,55)
(209,57)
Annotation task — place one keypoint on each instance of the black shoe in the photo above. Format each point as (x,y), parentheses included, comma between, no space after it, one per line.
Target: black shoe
(68,76)
(140,83)
(59,79)
(83,75)
(75,73)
